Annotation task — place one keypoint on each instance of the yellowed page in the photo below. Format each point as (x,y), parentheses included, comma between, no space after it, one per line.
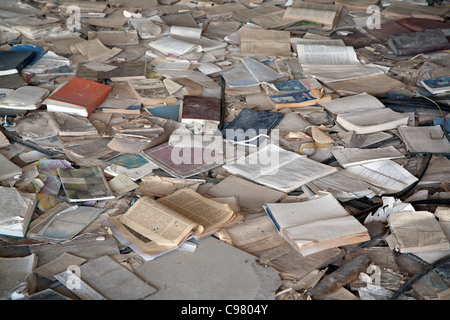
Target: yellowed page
(159,223)
(205,212)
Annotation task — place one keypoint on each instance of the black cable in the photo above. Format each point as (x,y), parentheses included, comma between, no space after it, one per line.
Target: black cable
(407,285)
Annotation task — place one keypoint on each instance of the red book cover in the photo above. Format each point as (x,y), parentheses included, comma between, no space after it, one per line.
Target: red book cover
(82,92)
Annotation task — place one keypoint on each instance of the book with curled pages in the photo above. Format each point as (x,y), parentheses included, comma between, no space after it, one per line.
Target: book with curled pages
(316,225)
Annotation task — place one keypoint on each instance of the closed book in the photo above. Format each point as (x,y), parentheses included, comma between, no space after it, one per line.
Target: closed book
(165,111)
(250,125)
(14,61)
(201,109)
(297,99)
(413,43)
(16,211)
(78,96)
(437,85)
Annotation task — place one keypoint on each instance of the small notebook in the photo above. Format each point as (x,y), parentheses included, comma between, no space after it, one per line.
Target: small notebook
(250,125)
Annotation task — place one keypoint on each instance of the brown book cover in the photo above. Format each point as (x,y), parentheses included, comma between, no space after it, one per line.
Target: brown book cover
(201,108)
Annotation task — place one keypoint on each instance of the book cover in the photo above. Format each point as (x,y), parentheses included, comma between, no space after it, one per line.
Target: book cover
(249,125)
(152,91)
(182,162)
(85,184)
(81,93)
(297,85)
(296,99)
(14,61)
(165,111)
(413,43)
(437,85)
(197,108)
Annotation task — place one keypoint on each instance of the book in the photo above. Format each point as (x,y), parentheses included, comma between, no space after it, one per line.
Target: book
(425,139)
(171,220)
(16,211)
(77,96)
(84,184)
(251,196)
(297,98)
(386,175)
(124,71)
(330,63)
(437,85)
(121,99)
(183,162)
(12,62)
(414,43)
(169,111)
(415,231)
(372,121)
(201,109)
(18,278)
(249,73)
(151,91)
(8,169)
(250,125)
(315,225)
(278,168)
(62,222)
(355,156)
(260,41)
(364,113)
(24,98)
(326,14)
(286,86)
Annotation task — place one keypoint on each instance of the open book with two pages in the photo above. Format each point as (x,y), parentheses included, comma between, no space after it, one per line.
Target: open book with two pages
(157,226)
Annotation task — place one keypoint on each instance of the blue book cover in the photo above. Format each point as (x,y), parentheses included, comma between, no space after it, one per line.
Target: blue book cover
(437,83)
(293,97)
(129,160)
(28,47)
(167,112)
(249,124)
(288,86)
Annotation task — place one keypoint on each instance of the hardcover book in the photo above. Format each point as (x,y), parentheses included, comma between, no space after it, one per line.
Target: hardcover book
(85,184)
(77,96)
(12,62)
(249,125)
(413,43)
(297,99)
(201,109)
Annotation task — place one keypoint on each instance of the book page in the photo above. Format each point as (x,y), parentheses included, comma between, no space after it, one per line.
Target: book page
(171,45)
(354,156)
(203,211)
(385,174)
(326,54)
(310,12)
(257,41)
(355,103)
(278,168)
(159,223)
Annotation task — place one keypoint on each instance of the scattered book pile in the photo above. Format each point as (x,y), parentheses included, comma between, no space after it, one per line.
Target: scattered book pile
(299,148)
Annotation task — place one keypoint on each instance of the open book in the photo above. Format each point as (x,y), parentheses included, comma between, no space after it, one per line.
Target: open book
(278,168)
(171,220)
(315,225)
(330,63)
(363,113)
